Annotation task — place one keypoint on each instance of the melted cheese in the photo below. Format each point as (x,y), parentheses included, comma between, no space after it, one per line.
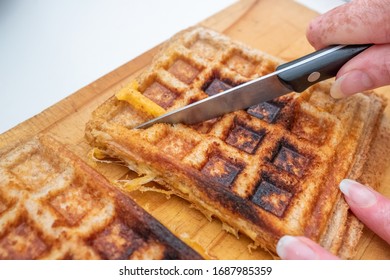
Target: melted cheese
(136,183)
(133,96)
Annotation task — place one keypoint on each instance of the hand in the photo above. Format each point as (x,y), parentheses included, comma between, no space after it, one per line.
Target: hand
(357,22)
(369,206)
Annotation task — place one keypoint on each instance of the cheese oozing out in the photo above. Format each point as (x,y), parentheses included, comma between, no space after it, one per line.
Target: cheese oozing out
(132,95)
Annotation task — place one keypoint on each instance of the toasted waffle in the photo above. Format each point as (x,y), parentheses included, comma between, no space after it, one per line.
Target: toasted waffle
(54,206)
(267,171)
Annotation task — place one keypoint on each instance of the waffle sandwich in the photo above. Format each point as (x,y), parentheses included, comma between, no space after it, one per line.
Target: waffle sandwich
(267,171)
(54,206)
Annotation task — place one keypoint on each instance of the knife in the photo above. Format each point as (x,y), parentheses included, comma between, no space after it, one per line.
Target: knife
(296,75)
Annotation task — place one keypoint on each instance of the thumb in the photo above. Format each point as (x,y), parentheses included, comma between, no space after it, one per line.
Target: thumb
(301,248)
(357,22)
(369,206)
(368,70)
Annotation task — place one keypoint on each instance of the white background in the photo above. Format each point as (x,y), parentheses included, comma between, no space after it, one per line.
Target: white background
(50,49)
(109,270)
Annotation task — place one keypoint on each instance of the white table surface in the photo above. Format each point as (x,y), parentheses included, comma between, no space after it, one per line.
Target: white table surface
(50,49)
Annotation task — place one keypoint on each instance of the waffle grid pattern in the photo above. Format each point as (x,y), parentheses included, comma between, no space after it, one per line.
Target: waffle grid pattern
(276,156)
(52,209)
(231,150)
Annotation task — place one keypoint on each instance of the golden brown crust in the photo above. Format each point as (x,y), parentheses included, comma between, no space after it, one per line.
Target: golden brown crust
(55,206)
(270,170)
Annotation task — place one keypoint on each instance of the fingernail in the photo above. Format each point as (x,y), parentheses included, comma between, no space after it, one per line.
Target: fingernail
(351,82)
(358,194)
(290,247)
(335,90)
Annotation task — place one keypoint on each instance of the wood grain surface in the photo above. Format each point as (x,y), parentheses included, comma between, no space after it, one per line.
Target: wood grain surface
(276,27)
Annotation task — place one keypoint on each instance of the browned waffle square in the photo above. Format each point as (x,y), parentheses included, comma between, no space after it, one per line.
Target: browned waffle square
(54,206)
(270,170)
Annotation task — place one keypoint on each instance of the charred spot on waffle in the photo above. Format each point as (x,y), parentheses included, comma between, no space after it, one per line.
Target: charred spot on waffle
(276,110)
(221,170)
(161,94)
(244,137)
(117,241)
(184,70)
(215,84)
(289,159)
(271,198)
(265,111)
(21,242)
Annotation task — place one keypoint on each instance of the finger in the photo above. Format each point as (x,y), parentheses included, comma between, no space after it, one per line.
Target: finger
(301,248)
(369,206)
(368,70)
(357,22)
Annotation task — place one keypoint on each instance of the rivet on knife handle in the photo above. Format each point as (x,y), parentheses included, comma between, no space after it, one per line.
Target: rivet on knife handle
(317,66)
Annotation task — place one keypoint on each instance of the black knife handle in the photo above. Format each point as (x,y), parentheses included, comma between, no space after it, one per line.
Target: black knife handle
(320,65)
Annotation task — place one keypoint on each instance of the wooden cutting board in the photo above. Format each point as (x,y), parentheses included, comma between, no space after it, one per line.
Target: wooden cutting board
(276,27)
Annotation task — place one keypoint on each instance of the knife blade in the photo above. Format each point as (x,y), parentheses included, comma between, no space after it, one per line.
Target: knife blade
(296,75)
